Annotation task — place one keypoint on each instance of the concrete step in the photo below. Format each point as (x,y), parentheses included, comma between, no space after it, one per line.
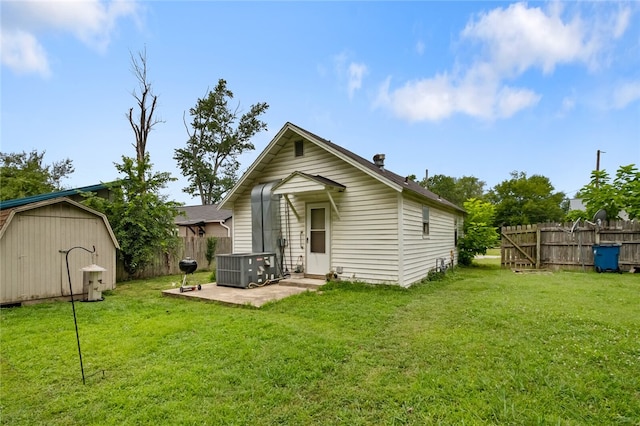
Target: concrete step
(310,283)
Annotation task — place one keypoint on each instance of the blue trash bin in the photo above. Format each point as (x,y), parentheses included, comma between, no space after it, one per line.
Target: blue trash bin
(605,257)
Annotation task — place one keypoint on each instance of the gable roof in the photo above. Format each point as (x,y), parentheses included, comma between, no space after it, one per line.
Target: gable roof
(190,215)
(7,204)
(290,130)
(7,214)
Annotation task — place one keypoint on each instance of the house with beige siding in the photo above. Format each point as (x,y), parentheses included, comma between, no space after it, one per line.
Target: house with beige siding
(323,209)
(35,235)
(203,221)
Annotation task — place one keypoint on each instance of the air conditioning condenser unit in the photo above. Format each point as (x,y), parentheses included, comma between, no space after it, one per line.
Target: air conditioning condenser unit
(242,269)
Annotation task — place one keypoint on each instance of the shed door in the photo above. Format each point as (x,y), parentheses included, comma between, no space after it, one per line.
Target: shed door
(318,238)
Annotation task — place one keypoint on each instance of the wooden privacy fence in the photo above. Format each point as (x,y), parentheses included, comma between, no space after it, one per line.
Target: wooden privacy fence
(167,264)
(568,246)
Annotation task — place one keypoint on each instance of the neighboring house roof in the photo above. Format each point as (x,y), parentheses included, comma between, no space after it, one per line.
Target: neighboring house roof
(51,195)
(576,204)
(191,215)
(7,214)
(289,131)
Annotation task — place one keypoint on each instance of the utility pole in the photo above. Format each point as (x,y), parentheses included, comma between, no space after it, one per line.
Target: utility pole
(598,165)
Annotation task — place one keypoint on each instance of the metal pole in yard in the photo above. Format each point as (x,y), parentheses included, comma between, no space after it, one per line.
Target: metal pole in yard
(73,305)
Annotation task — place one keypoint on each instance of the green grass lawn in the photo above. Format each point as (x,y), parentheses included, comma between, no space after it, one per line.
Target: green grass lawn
(483,346)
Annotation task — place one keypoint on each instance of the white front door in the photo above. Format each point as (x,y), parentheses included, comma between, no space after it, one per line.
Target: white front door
(318,239)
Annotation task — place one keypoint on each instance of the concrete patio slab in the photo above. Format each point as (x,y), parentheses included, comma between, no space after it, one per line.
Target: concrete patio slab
(255,297)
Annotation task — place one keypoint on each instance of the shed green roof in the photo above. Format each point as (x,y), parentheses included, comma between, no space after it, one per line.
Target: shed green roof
(17,202)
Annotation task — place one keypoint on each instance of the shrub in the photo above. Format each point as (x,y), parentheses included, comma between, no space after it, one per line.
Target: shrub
(435,275)
(478,235)
(212,242)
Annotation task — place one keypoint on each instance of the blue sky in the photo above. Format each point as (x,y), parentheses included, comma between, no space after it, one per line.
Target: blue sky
(459,88)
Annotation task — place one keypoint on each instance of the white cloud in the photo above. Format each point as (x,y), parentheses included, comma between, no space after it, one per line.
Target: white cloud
(519,37)
(90,21)
(512,41)
(621,22)
(356,73)
(429,99)
(509,101)
(339,62)
(22,53)
(420,47)
(625,94)
(568,105)
(352,72)
(437,98)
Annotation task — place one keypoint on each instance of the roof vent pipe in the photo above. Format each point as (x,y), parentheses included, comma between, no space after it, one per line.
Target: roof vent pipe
(378,160)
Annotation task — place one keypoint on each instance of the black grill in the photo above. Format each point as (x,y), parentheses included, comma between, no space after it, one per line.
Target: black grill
(188,266)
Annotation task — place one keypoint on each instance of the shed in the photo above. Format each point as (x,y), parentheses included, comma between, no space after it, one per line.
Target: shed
(204,221)
(319,205)
(34,238)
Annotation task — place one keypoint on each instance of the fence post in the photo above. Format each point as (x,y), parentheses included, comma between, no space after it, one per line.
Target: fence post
(537,247)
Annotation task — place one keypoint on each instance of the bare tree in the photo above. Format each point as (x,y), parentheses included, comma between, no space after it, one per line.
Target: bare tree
(147,102)
(142,219)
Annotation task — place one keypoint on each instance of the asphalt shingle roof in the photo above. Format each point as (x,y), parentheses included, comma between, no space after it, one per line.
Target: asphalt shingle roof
(197,214)
(393,177)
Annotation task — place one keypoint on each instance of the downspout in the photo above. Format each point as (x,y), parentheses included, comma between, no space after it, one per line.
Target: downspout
(226,227)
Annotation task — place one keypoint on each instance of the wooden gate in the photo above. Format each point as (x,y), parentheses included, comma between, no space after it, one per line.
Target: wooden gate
(520,248)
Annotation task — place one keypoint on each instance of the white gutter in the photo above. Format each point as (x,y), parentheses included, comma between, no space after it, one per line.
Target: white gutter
(225,227)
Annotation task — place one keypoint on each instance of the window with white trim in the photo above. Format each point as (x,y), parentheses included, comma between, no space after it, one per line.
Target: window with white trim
(425,221)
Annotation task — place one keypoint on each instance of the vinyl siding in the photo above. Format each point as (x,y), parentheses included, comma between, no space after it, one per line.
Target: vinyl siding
(364,236)
(242,224)
(421,252)
(31,265)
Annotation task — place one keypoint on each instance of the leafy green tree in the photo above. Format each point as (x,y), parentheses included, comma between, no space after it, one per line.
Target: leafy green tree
(479,234)
(573,215)
(24,174)
(470,187)
(141,218)
(440,184)
(218,134)
(623,193)
(524,200)
(456,190)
